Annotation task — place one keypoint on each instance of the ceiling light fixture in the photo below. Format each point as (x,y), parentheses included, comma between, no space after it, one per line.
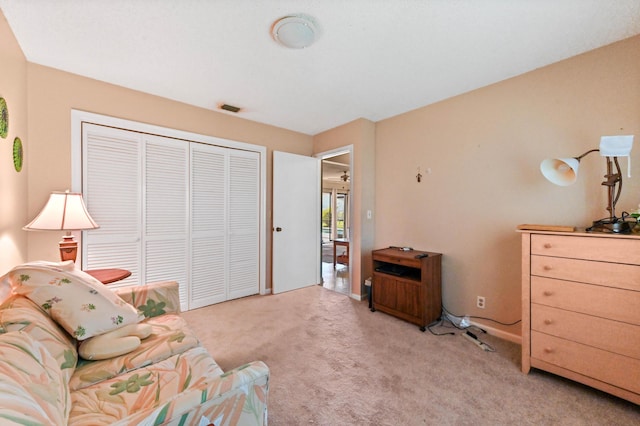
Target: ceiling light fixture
(295,31)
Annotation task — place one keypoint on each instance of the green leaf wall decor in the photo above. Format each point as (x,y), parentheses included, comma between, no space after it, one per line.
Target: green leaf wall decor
(17,154)
(4,118)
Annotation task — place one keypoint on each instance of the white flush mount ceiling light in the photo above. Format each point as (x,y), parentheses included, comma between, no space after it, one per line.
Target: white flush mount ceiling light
(295,31)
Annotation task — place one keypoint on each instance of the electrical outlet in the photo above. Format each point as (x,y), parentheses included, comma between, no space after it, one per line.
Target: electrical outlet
(480,302)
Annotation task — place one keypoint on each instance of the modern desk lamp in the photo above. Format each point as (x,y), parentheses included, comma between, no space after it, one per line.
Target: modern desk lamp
(564,171)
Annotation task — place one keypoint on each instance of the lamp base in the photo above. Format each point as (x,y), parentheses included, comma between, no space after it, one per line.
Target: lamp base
(612,225)
(68,248)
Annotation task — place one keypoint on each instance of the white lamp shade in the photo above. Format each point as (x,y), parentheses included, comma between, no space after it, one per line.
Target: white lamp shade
(616,146)
(560,171)
(64,211)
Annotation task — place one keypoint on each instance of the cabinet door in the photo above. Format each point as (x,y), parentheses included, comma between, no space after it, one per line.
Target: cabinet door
(409,295)
(384,291)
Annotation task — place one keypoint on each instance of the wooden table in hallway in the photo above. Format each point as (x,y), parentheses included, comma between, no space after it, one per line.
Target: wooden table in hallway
(344,259)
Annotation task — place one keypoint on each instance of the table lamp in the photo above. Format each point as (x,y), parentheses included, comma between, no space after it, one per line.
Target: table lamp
(564,171)
(65,211)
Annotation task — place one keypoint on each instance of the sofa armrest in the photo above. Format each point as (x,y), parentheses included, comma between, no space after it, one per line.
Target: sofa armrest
(152,299)
(238,397)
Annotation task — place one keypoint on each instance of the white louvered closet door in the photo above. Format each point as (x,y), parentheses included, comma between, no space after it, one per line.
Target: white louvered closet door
(224,224)
(243,229)
(173,210)
(166,212)
(112,192)
(208,225)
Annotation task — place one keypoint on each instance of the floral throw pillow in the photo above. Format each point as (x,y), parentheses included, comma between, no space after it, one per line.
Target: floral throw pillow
(82,305)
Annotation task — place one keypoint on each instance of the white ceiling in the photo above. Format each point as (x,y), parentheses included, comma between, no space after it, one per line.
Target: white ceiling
(374,58)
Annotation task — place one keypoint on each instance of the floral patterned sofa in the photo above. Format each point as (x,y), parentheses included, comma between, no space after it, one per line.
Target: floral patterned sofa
(163,377)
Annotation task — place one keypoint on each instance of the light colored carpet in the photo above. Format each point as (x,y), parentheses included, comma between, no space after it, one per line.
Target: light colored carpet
(333,362)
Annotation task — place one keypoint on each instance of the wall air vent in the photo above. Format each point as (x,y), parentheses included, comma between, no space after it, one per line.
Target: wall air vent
(230,108)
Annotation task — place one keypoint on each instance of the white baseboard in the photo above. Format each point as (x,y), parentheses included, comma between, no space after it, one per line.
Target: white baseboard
(511,337)
(357,297)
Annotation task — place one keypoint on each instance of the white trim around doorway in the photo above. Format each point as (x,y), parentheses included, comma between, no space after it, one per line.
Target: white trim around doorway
(348,149)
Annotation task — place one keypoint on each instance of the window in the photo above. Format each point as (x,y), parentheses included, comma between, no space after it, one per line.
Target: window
(335,214)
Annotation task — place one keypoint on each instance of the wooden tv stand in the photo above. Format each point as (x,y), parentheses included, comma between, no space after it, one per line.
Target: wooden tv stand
(407,287)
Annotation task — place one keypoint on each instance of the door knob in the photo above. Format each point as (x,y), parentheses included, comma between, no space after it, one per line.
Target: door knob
(278,229)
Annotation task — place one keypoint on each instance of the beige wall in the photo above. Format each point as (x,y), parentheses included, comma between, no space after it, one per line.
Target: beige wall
(360,134)
(52,96)
(13,185)
(484,150)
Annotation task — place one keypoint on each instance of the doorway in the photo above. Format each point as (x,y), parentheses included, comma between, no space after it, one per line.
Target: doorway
(336,220)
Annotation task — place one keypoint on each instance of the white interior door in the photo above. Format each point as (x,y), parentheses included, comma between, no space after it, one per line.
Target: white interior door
(296,222)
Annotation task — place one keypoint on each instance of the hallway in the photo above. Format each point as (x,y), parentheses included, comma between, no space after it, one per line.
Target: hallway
(334,279)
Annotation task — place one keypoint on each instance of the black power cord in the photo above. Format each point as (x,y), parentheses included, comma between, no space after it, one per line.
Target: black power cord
(440,322)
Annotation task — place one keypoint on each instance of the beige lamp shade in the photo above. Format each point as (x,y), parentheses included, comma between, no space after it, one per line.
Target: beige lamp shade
(65,211)
(560,171)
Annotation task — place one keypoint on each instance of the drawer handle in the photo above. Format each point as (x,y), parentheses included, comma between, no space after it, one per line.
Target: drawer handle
(547,293)
(548,350)
(547,267)
(548,322)
(547,246)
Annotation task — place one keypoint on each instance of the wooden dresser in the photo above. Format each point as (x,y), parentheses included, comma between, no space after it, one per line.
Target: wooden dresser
(407,284)
(581,308)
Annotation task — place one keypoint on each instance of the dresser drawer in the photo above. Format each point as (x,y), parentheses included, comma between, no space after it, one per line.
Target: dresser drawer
(399,260)
(612,336)
(618,250)
(607,274)
(617,370)
(605,302)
